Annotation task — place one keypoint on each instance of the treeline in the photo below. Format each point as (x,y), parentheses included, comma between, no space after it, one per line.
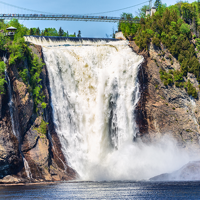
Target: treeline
(52,32)
(22,30)
(176,27)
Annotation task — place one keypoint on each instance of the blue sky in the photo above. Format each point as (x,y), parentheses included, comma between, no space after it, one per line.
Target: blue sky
(88,29)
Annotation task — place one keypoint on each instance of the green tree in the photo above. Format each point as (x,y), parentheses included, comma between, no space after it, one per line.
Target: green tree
(61,32)
(126,16)
(51,32)
(2,77)
(79,34)
(198,6)
(72,35)
(46,32)
(157,3)
(191,90)
(2,41)
(37,31)
(187,12)
(142,11)
(127,28)
(31,32)
(185,29)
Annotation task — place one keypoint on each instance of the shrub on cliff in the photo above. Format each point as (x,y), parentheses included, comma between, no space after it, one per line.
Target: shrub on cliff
(156,41)
(167,78)
(16,49)
(35,66)
(191,90)
(185,29)
(42,129)
(2,77)
(177,77)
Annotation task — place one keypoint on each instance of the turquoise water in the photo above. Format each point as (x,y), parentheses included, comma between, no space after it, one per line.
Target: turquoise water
(105,190)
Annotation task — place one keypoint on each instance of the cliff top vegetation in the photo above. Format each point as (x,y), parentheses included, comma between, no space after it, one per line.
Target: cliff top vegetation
(177,27)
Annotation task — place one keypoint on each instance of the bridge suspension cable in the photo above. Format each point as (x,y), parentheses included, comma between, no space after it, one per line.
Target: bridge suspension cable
(41,15)
(26,9)
(117,9)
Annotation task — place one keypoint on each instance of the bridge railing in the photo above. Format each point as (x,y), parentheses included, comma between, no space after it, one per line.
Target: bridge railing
(66,17)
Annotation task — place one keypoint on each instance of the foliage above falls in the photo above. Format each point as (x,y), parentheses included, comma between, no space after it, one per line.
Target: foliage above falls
(176,27)
(28,64)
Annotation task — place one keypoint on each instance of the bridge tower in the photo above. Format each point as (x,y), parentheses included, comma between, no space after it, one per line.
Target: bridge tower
(151,9)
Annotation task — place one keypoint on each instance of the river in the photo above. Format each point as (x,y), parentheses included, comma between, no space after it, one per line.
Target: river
(105,190)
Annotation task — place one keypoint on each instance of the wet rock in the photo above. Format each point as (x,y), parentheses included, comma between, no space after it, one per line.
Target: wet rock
(10,158)
(10,180)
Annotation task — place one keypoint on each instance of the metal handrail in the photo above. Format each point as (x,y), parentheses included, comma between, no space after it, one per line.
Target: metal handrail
(67,17)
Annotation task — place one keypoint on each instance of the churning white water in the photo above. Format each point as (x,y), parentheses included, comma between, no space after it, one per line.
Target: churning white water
(94,90)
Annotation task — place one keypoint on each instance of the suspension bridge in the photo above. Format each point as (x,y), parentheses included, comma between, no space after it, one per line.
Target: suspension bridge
(38,15)
(66,18)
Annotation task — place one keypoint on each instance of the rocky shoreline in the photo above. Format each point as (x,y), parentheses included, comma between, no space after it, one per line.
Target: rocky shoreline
(12,181)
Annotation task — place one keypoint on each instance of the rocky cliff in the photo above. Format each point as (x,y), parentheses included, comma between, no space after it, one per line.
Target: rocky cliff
(166,109)
(22,140)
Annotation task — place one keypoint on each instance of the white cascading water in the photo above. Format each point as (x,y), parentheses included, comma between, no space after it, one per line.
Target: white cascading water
(27,168)
(11,105)
(94,91)
(15,129)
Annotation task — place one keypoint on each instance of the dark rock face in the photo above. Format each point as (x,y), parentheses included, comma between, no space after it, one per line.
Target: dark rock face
(41,151)
(165,109)
(189,172)
(10,158)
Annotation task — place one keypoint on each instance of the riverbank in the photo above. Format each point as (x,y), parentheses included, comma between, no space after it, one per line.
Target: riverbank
(27,184)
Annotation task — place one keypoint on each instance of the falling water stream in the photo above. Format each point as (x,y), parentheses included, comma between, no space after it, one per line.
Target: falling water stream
(94,91)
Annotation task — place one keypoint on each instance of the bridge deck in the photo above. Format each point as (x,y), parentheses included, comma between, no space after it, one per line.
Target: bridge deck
(66,18)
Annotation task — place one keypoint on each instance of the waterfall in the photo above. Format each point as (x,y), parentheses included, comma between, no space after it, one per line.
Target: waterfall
(94,91)
(27,168)
(15,123)
(11,106)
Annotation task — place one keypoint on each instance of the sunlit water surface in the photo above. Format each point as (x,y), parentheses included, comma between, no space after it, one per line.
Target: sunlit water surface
(105,190)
